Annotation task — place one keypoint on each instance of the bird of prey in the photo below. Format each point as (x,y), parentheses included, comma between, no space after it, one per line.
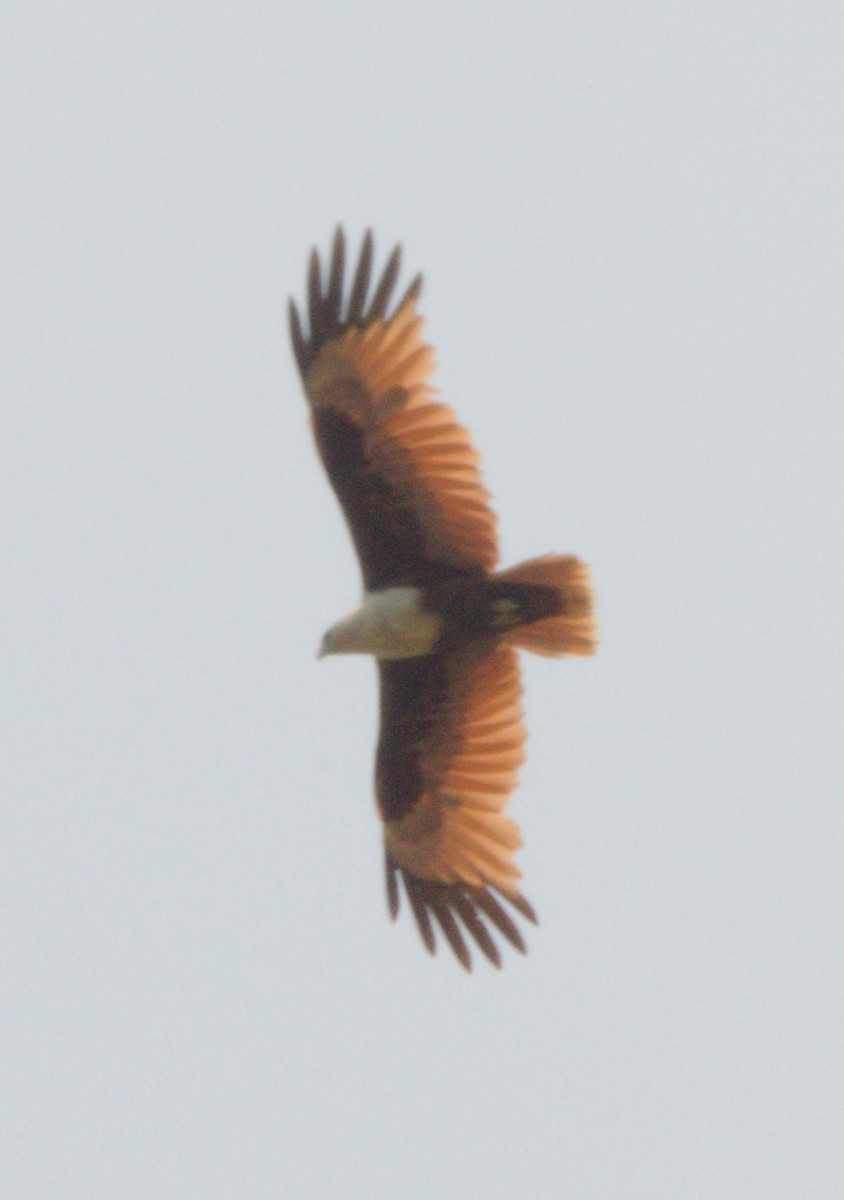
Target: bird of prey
(441,621)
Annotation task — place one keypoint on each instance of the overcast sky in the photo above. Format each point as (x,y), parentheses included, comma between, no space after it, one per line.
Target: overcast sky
(629,219)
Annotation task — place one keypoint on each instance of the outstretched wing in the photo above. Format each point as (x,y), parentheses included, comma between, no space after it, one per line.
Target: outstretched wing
(450,746)
(403,469)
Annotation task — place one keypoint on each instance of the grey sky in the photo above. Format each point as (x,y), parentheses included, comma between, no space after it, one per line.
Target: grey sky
(629,220)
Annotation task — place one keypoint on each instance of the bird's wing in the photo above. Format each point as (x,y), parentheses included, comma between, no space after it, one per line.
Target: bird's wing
(403,469)
(449,750)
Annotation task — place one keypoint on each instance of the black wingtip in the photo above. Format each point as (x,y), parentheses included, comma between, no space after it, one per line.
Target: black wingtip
(392,887)
(314,296)
(412,293)
(522,906)
(334,295)
(381,299)
(326,312)
(415,894)
(468,915)
(505,925)
(445,918)
(297,337)
(360,284)
(474,906)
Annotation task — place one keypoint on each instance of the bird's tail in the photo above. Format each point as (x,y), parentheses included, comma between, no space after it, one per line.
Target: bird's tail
(570,628)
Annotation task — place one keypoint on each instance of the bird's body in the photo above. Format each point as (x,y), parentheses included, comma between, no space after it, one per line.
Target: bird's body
(439,619)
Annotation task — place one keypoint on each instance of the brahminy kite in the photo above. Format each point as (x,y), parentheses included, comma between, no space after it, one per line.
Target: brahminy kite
(443,624)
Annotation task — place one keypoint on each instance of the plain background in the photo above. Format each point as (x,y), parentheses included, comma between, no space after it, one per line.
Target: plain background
(629,217)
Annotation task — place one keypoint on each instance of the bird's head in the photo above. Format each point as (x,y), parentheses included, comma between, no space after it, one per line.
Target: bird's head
(328,644)
(341,638)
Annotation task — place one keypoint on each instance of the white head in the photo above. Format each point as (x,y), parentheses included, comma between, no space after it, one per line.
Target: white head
(342,638)
(391,623)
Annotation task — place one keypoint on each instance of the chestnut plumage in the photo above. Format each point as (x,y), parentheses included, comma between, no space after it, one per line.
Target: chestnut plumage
(443,624)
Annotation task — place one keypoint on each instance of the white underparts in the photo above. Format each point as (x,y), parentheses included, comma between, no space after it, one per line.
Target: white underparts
(390,623)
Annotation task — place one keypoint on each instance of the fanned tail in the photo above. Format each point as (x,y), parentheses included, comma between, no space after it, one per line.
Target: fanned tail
(571,629)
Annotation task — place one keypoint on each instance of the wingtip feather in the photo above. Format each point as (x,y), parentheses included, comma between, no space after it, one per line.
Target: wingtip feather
(297,337)
(360,283)
(384,290)
(314,292)
(334,296)
(446,902)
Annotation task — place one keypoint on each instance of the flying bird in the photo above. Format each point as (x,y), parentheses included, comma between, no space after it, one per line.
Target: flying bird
(442,622)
